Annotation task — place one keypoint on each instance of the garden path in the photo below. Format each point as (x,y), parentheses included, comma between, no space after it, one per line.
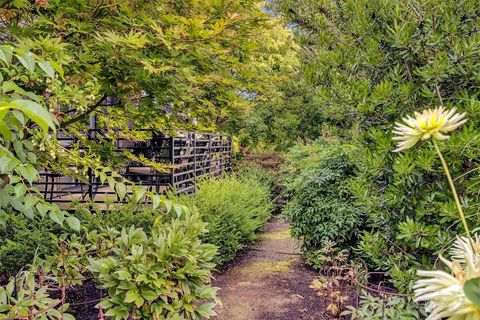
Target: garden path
(270,281)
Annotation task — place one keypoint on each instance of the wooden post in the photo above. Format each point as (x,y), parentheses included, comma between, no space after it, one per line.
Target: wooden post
(172,161)
(230,145)
(90,136)
(195,160)
(209,153)
(222,150)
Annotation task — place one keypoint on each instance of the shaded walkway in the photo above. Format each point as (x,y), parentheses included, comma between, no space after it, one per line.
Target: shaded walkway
(269,282)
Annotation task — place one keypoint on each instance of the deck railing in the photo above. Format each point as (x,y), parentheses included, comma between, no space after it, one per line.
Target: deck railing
(191,157)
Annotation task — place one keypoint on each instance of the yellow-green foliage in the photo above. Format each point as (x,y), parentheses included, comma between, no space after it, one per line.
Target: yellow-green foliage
(234,208)
(162,275)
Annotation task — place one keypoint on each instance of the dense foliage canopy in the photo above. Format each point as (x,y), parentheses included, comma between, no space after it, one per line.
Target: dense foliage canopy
(366,64)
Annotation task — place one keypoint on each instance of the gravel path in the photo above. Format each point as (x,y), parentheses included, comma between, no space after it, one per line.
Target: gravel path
(269,282)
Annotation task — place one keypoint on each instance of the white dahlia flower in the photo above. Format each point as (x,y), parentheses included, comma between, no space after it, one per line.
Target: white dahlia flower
(444,292)
(430,123)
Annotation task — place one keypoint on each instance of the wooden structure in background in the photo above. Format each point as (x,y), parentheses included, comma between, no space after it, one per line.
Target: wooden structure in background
(191,156)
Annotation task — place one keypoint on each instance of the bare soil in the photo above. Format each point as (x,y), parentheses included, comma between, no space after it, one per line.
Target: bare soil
(269,282)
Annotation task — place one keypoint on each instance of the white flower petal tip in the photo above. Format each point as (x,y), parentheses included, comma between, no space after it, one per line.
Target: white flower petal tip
(443,292)
(430,123)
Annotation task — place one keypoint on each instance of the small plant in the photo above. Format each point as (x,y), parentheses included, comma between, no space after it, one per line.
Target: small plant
(24,298)
(330,255)
(164,275)
(335,287)
(385,307)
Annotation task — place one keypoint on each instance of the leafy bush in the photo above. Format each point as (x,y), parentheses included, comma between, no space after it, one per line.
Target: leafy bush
(22,239)
(119,217)
(368,63)
(382,308)
(254,171)
(322,207)
(24,298)
(164,275)
(234,208)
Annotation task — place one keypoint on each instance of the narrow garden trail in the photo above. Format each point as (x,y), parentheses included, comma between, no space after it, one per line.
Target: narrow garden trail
(270,281)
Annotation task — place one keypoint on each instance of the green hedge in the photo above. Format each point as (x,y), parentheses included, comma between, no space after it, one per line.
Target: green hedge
(321,207)
(234,208)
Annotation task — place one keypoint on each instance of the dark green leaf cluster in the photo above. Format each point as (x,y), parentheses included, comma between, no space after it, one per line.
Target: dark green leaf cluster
(370,63)
(22,239)
(322,206)
(372,307)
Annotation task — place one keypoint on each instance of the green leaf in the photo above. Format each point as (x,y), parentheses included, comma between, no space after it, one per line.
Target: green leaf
(138,236)
(139,302)
(121,190)
(178,209)
(168,205)
(5,132)
(6,54)
(67,316)
(36,112)
(43,208)
(138,193)
(57,68)
(9,86)
(155,201)
(123,275)
(131,296)
(472,290)
(73,223)
(47,68)
(27,61)
(149,295)
(57,216)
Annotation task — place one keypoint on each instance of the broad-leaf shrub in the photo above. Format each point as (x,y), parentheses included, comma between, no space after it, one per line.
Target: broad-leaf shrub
(372,307)
(322,207)
(367,63)
(164,275)
(23,298)
(234,208)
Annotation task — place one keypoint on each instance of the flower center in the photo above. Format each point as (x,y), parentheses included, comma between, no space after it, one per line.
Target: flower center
(430,122)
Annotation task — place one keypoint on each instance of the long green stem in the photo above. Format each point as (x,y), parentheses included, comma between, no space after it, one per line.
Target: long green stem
(454,191)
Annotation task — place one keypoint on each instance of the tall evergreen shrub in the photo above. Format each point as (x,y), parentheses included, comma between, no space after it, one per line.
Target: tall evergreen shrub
(370,62)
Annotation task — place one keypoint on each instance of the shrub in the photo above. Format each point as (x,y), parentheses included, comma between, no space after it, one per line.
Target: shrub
(322,207)
(22,239)
(383,308)
(257,172)
(119,217)
(164,275)
(234,208)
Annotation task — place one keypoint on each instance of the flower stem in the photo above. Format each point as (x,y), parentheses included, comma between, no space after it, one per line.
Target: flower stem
(454,191)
